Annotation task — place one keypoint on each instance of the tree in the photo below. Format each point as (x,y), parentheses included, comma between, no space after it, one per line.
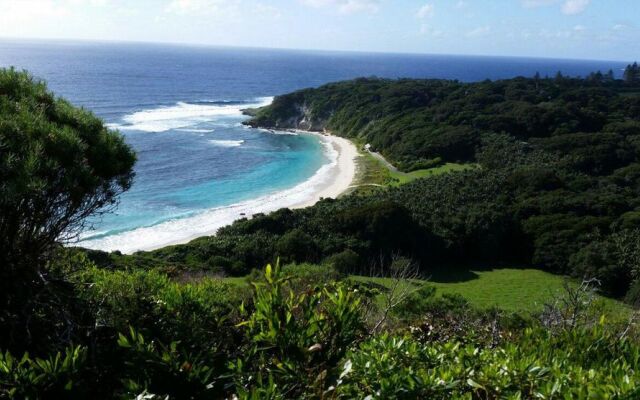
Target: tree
(595,77)
(559,77)
(58,166)
(610,77)
(632,74)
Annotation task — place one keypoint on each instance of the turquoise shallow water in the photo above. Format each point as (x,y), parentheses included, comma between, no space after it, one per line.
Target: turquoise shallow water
(241,164)
(179,108)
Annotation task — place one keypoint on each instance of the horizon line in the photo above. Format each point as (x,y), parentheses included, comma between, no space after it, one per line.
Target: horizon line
(296,49)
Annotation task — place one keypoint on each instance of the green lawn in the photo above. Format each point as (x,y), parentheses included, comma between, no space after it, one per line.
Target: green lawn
(402,177)
(511,289)
(373,174)
(507,288)
(236,281)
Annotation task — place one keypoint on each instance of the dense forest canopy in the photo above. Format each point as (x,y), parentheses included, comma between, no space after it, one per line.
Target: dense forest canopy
(412,121)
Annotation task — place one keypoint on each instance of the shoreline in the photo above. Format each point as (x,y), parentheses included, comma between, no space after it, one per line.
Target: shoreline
(345,169)
(330,181)
(343,176)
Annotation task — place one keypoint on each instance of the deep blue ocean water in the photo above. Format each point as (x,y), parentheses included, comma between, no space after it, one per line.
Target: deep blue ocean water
(179,107)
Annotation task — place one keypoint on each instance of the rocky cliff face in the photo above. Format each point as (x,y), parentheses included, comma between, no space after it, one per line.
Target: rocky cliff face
(295,116)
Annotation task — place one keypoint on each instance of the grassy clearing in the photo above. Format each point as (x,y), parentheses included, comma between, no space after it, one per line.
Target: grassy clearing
(400,178)
(373,173)
(236,281)
(509,289)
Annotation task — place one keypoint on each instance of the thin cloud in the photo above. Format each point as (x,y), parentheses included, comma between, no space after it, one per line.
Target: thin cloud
(479,31)
(573,7)
(426,30)
(28,9)
(346,6)
(537,3)
(425,11)
(568,7)
(200,6)
(267,11)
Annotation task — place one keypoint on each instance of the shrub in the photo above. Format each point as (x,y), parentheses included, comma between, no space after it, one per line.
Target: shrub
(154,369)
(295,340)
(200,314)
(416,303)
(346,262)
(577,364)
(62,375)
(119,299)
(296,246)
(309,275)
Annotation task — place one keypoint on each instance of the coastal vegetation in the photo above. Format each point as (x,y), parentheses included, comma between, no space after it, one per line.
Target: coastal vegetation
(358,297)
(550,181)
(374,173)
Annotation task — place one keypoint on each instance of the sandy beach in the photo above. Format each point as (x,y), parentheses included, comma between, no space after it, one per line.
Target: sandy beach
(343,173)
(331,180)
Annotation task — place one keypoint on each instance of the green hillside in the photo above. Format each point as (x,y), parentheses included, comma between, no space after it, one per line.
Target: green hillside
(382,294)
(542,172)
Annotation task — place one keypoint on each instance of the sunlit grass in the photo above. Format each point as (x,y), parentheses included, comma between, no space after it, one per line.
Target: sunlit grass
(401,178)
(510,289)
(374,174)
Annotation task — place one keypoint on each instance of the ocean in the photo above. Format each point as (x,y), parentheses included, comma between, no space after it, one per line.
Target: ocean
(180,107)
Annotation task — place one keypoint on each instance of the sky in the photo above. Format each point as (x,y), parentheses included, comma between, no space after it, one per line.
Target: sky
(586,29)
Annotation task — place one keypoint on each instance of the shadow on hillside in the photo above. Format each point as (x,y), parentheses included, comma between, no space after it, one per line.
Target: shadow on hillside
(451,274)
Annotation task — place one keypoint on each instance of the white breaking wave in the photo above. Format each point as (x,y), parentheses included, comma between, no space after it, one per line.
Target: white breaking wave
(227,143)
(183,229)
(183,115)
(196,130)
(276,132)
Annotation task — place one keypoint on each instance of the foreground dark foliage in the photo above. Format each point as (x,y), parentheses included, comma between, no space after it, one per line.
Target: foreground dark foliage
(316,341)
(58,166)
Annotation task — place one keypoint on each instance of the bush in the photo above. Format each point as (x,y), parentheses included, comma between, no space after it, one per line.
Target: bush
(296,246)
(119,299)
(310,274)
(346,262)
(200,314)
(409,166)
(633,295)
(153,369)
(62,375)
(577,364)
(295,340)
(416,304)
(613,260)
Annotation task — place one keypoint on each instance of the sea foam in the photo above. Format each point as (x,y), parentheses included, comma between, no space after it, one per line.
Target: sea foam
(184,116)
(180,230)
(227,143)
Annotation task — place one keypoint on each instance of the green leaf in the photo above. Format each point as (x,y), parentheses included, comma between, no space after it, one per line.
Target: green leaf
(475,384)
(267,273)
